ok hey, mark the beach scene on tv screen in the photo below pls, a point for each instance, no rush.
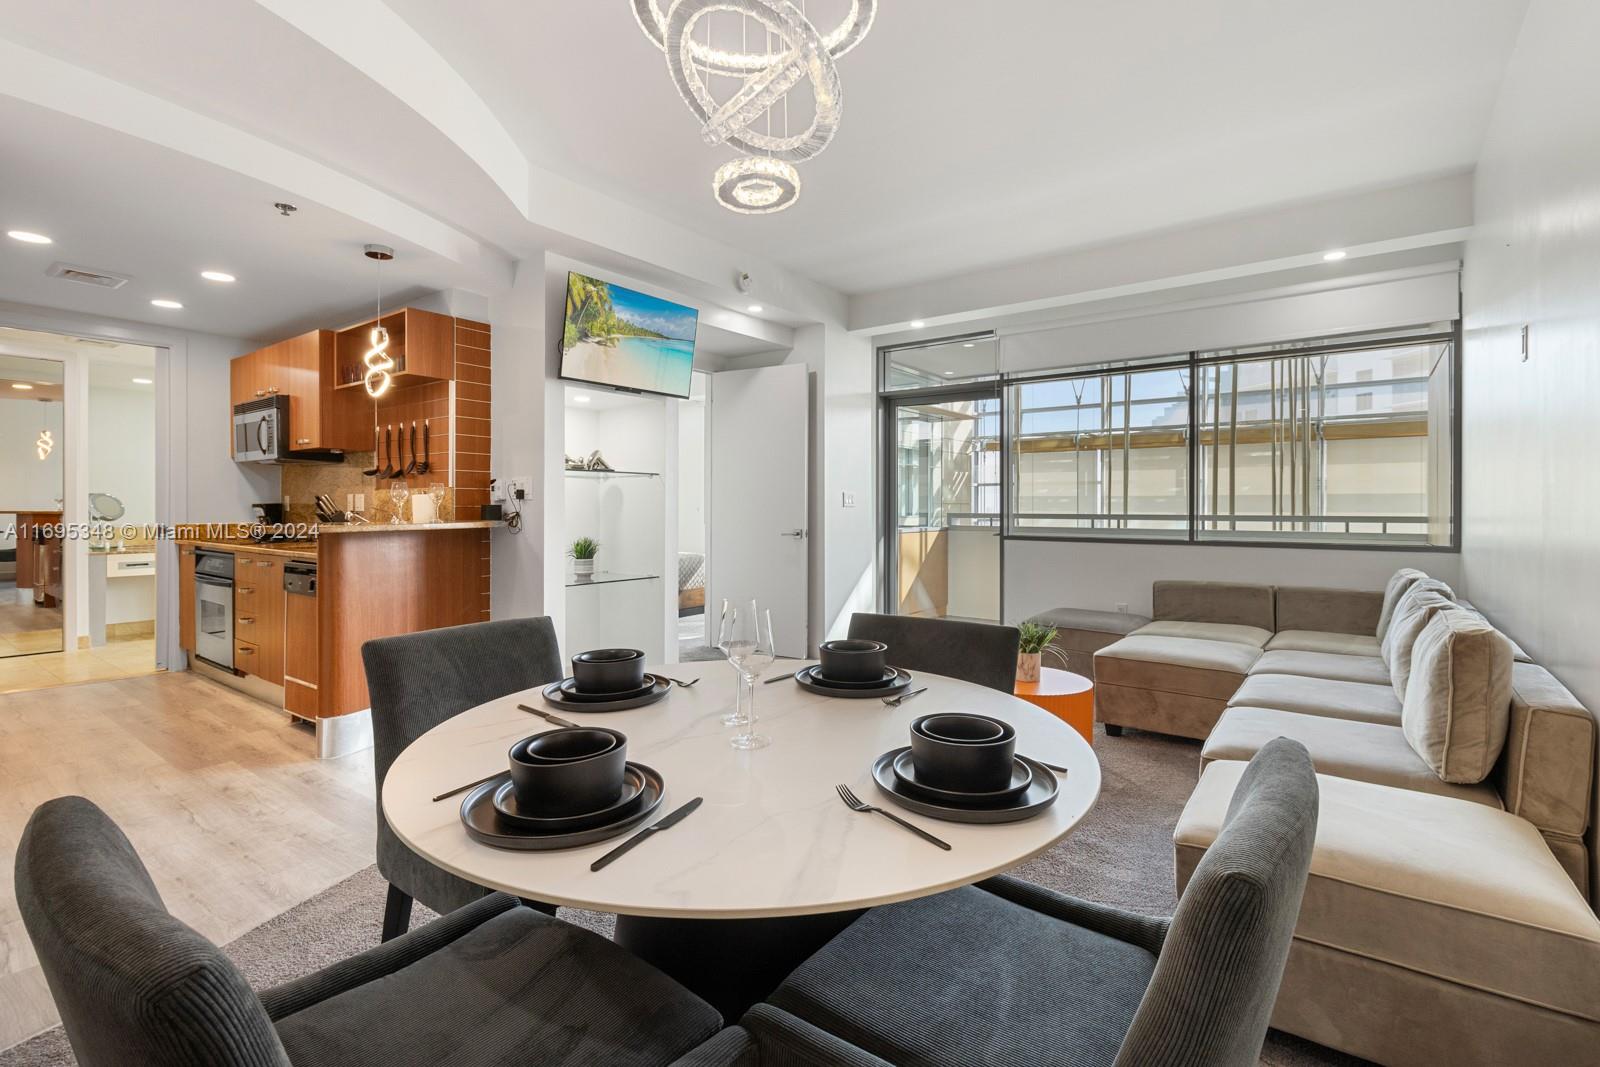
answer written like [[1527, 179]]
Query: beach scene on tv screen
[[620, 337]]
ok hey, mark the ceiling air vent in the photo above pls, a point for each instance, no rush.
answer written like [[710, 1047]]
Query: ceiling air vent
[[104, 279]]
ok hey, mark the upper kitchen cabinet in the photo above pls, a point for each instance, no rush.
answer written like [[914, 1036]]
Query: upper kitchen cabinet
[[421, 343], [303, 369]]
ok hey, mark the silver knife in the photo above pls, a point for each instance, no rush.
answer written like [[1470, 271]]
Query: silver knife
[[666, 823], [782, 677]]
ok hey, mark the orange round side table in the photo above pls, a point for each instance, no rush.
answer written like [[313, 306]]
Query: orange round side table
[[1067, 696]]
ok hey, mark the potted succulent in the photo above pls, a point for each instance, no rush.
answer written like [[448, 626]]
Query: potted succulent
[[583, 551], [1030, 651]]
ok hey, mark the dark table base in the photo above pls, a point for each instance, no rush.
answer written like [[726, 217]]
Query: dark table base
[[730, 963]]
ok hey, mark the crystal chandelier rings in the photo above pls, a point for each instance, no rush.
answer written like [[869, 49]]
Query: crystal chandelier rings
[[756, 185], [842, 38], [805, 58]]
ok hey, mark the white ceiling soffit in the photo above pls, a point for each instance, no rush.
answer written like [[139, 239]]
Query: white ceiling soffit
[[1424, 215]]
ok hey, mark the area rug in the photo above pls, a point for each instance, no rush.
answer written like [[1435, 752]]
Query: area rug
[[1121, 854]]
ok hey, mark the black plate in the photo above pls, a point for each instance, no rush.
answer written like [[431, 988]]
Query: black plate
[[816, 675], [557, 699], [809, 680], [504, 799], [1039, 795], [906, 772], [485, 825], [570, 691]]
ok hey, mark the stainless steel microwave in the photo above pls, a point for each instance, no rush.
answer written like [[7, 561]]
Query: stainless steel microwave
[[261, 435]]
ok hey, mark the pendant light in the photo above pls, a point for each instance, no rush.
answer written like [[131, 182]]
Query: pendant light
[[380, 365]]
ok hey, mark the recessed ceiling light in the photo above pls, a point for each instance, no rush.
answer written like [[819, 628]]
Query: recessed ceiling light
[[21, 385], [1334, 256], [217, 276], [166, 304], [967, 344], [949, 373], [580, 398], [143, 381], [917, 324], [755, 309], [29, 237]]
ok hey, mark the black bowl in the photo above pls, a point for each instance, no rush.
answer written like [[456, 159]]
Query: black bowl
[[569, 771], [853, 660], [608, 670], [963, 753]]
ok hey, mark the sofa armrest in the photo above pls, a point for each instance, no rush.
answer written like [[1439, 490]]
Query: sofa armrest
[[789, 1040], [391, 956], [1149, 932]]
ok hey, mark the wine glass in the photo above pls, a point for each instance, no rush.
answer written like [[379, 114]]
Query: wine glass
[[436, 494], [747, 640], [725, 631], [398, 492]]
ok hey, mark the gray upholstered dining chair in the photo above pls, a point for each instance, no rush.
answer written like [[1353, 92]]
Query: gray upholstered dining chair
[[489, 985], [1007, 972], [416, 681], [979, 652]]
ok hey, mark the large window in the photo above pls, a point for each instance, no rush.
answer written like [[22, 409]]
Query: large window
[[1348, 441], [1103, 453]]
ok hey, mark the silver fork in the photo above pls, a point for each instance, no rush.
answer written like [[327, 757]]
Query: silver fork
[[895, 702], [855, 803]]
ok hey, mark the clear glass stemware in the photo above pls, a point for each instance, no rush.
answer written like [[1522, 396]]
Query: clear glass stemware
[[398, 492], [436, 494], [746, 639]]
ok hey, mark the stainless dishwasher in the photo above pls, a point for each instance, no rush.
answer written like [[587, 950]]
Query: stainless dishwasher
[[213, 607]]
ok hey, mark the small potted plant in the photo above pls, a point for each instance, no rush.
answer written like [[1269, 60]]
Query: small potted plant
[[1030, 651], [583, 551]]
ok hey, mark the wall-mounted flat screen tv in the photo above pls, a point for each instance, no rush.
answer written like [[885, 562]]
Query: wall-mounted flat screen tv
[[627, 339]]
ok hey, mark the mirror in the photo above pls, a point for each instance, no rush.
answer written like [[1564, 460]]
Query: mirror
[[31, 491]]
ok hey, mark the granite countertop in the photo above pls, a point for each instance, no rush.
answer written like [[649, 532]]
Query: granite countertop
[[335, 529], [293, 549]]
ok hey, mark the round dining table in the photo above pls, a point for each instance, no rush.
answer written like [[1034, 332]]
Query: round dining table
[[773, 862]]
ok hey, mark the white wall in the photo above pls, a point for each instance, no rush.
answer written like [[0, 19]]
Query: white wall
[[1099, 575], [26, 482], [1531, 483], [692, 476], [122, 449]]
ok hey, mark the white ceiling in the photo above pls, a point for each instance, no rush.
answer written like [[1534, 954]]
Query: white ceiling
[[32, 355], [975, 134]]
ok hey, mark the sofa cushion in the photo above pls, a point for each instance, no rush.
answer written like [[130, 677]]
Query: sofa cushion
[[1254, 636], [1323, 641], [1417, 608], [1453, 890], [1345, 611], [1398, 583], [1458, 700], [1546, 772], [1091, 624], [1345, 748], [1368, 669], [1233, 602], [1319, 696], [1175, 665]]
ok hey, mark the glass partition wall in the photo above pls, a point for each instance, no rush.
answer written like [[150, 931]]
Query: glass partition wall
[[31, 493]]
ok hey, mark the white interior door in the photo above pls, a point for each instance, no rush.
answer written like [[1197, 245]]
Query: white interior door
[[760, 441]]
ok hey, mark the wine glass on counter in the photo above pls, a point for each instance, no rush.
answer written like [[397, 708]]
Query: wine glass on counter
[[436, 494], [746, 639], [399, 491]]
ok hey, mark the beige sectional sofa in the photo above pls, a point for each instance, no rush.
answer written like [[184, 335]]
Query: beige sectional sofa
[[1449, 915]]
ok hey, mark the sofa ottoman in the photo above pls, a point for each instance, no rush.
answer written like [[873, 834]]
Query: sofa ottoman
[[1080, 633], [1173, 685], [1432, 931]]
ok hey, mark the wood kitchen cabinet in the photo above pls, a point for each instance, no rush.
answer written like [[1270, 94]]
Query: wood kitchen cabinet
[[421, 343], [303, 370], [186, 597], [258, 615]]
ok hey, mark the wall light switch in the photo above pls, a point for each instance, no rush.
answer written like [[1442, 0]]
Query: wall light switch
[[849, 500]]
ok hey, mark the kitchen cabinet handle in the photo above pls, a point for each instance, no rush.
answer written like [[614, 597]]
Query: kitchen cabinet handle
[[247, 652], [272, 388], [261, 392], [250, 622], [303, 441], [247, 589]]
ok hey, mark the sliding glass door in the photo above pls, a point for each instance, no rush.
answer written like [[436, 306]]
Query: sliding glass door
[[944, 502]]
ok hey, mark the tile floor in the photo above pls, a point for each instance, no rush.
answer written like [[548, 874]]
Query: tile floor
[[126, 658]]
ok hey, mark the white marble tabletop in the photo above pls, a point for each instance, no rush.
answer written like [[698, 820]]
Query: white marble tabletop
[[772, 837]]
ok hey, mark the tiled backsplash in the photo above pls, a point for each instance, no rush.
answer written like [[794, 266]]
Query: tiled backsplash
[[304, 482]]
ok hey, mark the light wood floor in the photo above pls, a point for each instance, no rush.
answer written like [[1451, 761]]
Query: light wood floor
[[231, 811]]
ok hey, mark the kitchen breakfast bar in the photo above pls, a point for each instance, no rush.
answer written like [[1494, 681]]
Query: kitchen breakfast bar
[[285, 620]]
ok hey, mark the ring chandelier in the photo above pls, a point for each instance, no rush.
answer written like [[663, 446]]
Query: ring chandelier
[[764, 179]]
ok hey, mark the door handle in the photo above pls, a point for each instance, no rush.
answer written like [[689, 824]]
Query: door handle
[[798, 535]]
